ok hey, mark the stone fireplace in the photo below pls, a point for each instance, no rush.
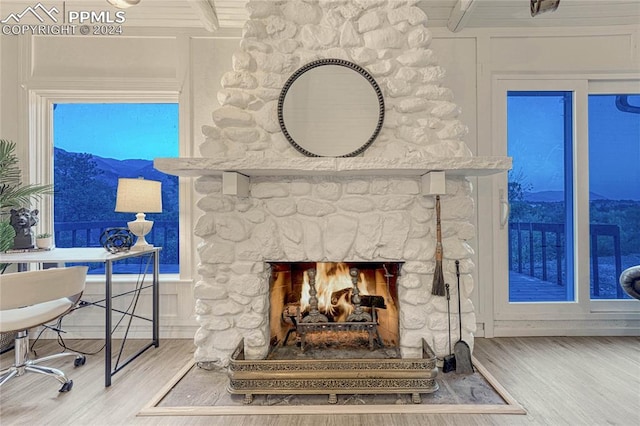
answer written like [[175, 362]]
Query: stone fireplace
[[266, 207]]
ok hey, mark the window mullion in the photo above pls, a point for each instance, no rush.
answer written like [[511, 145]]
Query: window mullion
[[582, 239]]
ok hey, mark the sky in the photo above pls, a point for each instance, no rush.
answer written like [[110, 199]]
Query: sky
[[614, 148], [535, 138], [120, 131], [536, 143]]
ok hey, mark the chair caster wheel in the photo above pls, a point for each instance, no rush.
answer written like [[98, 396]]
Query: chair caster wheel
[[80, 360], [67, 386]]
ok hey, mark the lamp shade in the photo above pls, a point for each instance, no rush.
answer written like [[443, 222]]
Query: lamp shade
[[139, 196]]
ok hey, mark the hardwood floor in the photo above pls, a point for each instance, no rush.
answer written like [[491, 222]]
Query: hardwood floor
[[558, 380]]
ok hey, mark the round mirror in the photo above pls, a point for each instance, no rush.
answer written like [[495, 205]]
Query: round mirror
[[331, 108]]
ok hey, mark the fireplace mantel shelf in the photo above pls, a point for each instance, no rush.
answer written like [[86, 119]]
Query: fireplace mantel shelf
[[325, 166]]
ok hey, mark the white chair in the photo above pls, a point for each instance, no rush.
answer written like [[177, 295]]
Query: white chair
[[33, 298], [630, 281]]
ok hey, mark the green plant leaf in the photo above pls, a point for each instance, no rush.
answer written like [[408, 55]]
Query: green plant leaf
[[7, 233], [9, 170], [12, 193], [15, 197]]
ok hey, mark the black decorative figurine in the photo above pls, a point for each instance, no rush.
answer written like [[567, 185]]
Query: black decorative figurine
[[115, 240], [22, 220]]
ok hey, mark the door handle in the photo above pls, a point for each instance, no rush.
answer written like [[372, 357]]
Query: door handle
[[505, 210]]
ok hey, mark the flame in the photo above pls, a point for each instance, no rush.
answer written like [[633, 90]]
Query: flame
[[331, 278]]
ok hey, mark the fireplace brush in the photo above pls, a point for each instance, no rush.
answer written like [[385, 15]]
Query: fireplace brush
[[437, 289]]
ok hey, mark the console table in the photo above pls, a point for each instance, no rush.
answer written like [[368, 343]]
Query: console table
[[100, 255]]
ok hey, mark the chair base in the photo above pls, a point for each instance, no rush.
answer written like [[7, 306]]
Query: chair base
[[23, 364]]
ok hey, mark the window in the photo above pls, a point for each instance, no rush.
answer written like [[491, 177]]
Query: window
[[545, 243], [539, 138], [614, 190], [94, 145]]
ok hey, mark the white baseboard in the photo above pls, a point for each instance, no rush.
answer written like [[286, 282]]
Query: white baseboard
[[566, 328]]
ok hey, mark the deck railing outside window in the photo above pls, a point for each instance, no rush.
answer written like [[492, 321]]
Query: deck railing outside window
[[537, 250], [87, 234]]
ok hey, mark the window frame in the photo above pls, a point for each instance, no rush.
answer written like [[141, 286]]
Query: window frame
[[583, 308], [41, 166], [569, 181]]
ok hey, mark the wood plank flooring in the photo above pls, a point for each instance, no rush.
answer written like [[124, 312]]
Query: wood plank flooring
[[558, 380]]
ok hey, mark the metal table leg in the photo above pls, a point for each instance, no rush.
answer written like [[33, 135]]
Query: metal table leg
[[107, 326], [156, 298]]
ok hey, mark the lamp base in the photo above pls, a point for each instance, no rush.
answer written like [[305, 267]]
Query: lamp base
[[140, 227]]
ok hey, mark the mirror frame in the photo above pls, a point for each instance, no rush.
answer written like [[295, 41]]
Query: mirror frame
[[319, 63]]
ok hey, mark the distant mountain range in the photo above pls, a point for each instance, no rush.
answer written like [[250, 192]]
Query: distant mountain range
[[113, 169], [554, 196]]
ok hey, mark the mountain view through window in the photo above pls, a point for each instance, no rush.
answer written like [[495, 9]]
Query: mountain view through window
[[94, 145], [541, 194]]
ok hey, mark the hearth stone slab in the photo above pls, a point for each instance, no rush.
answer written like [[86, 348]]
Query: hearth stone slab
[[333, 376]]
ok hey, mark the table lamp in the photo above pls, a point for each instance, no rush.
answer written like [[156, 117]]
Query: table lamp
[[139, 196]]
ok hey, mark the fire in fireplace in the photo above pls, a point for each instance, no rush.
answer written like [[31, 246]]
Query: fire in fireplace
[[338, 305]]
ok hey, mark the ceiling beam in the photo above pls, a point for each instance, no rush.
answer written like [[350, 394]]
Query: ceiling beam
[[206, 11], [460, 14]]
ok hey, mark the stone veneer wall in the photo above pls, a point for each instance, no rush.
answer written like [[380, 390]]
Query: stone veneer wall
[[382, 218], [325, 219], [386, 37]]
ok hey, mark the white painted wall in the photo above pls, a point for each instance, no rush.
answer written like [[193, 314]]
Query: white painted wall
[[553, 54], [190, 64]]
